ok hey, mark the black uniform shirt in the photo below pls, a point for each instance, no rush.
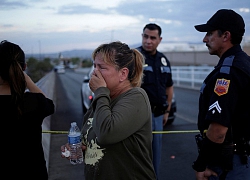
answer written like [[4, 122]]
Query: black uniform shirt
[[225, 99], [157, 76]]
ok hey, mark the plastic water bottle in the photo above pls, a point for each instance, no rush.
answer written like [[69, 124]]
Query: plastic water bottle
[[74, 140]]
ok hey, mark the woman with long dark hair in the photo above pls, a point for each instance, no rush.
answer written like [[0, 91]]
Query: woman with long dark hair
[[23, 107]]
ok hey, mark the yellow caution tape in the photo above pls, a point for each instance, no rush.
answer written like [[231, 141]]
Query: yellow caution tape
[[154, 132], [175, 132], [56, 132]]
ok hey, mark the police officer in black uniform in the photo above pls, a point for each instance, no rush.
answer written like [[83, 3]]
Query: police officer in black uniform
[[158, 84], [224, 104]]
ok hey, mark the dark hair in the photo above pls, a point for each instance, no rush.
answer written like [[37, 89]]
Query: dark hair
[[153, 26], [120, 55], [12, 62], [235, 37]]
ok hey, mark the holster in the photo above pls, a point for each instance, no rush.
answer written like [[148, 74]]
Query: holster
[[224, 158], [198, 140]]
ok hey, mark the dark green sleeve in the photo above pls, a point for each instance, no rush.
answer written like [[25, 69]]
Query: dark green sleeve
[[118, 119]]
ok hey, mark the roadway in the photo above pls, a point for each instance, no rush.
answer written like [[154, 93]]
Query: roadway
[[179, 148]]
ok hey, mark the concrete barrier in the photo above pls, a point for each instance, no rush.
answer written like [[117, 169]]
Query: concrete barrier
[[47, 85]]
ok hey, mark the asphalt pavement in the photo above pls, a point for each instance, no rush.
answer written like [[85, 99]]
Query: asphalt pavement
[[60, 168]]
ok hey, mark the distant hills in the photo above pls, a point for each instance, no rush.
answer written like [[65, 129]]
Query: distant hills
[[86, 53], [81, 53]]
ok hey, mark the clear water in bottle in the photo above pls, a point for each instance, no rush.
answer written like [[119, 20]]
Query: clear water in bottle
[[74, 140]]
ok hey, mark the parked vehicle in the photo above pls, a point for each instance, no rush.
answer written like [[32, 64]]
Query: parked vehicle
[[86, 94], [59, 69], [87, 97]]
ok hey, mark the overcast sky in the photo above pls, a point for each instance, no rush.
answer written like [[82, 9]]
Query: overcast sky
[[51, 26]]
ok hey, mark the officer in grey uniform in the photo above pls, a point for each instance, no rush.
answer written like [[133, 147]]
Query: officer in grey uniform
[[224, 103]]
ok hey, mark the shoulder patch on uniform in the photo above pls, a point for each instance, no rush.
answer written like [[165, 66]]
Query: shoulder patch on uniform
[[221, 86], [163, 61]]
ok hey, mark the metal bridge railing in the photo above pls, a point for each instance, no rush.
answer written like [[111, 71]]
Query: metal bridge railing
[[190, 76]]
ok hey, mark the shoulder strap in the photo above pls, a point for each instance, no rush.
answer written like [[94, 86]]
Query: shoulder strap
[[232, 61], [226, 65]]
